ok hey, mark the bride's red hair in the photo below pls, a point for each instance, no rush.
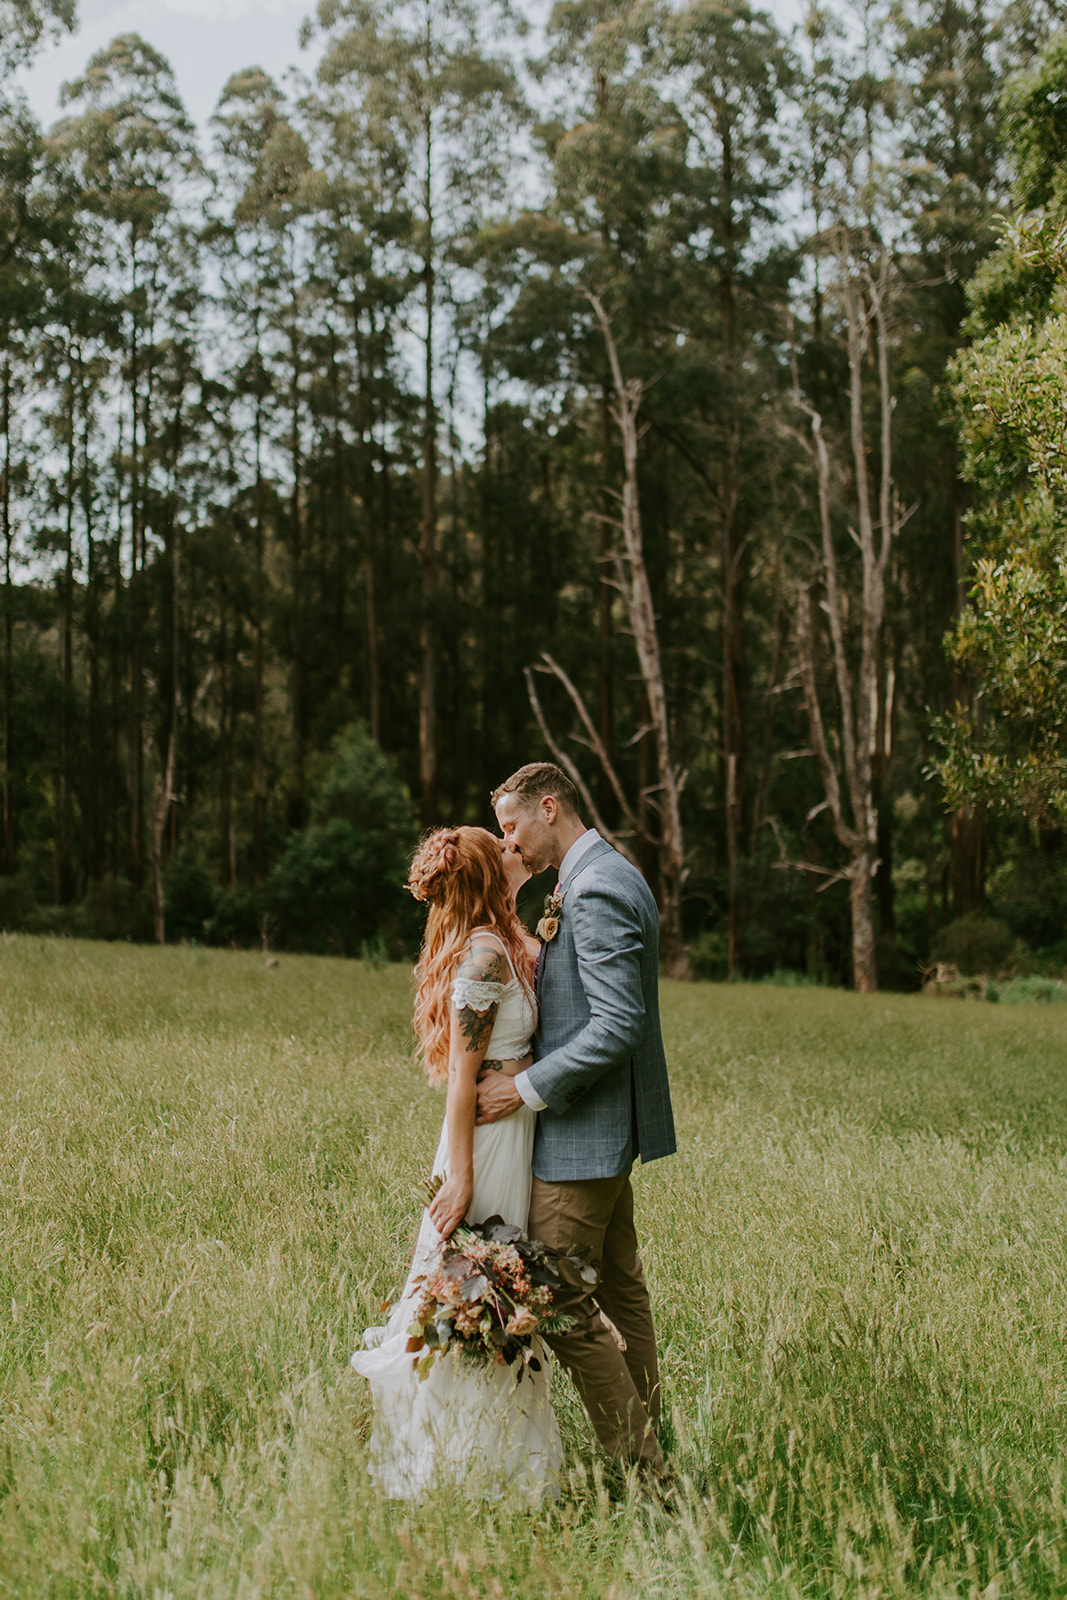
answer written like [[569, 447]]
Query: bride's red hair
[[459, 874]]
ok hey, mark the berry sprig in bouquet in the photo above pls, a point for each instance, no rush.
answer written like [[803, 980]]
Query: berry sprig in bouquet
[[489, 1291]]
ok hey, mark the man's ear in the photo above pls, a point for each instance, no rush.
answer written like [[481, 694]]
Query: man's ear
[[550, 807]]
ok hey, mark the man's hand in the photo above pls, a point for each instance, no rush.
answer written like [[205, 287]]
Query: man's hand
[[497, 1098]]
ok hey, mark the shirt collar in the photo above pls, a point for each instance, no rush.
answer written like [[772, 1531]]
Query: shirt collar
[[576, 852]]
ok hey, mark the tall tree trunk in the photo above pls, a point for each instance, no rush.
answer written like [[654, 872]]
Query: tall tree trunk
[[491, 599], [258, 786], [881, 787], [95, 752], [609, 807], [9, 613], [227, 832], [633, 580], [165, 795], [968, 837], [295, 808], [428, 539], [861, 905], [763, 782], [856, 828], [733, 663], [384, 573], [118, 816], [968, 861], [63, 886], [135, 754], [364, 359]]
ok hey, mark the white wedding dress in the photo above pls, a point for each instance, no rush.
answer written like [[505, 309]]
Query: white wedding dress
[[462, 1424]]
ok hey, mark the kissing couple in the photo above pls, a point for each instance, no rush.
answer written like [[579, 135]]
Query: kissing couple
[[556, 1083]]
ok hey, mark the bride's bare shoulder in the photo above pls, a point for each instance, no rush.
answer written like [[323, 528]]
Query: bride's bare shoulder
[[484, 958]]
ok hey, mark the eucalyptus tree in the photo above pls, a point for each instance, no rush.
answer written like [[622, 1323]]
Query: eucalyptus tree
[[666, 173], [133, 148], [1006, 749], [21, 227], [608, 240], [359, 282], [439, 109], [950, 63], [947, 61], [852, 454], [613, 150], [26, 24], [261, 164], [733, 76]]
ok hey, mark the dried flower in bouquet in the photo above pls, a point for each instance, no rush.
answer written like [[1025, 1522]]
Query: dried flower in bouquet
[[489, 1291]]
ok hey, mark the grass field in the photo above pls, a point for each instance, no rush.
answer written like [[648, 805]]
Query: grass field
[[858, 1262]]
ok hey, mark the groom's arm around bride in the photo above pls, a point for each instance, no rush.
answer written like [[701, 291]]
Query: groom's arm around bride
[[599, 1081]]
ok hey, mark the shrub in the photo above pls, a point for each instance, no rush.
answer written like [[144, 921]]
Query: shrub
[[789, 978], [114, 909], [707, 955], [189, 897], [898, 966], [237, 919], [1030, 896], [340, 882], [16, 903], [1022, 991], [974, 944]]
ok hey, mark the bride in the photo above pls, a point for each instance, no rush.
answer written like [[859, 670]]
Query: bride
[[474, 1010]]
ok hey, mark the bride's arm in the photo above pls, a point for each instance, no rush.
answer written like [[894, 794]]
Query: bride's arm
[[473, 1013]]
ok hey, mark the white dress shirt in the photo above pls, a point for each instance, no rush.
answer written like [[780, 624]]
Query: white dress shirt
[[566, 866]]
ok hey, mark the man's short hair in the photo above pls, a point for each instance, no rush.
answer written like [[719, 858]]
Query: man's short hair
[[536, 779]]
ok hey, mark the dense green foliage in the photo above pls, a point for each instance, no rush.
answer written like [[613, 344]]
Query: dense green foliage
[[209, 1173], [310, 423], [338, 885], [1011, 390]]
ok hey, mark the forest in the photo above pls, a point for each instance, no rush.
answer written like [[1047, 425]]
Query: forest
[[663, 391]]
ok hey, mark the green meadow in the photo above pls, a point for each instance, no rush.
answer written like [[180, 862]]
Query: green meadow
[[858, 1262]]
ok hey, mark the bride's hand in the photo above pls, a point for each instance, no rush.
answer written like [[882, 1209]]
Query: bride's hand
[[449, 1205]]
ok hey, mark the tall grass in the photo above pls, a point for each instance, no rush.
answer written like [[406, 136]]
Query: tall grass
[[857, 1259]]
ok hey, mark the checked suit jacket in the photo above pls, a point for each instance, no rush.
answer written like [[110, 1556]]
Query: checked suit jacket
[[599, 1063]]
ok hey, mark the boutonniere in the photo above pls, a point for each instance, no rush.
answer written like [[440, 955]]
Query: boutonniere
[[548, 926]]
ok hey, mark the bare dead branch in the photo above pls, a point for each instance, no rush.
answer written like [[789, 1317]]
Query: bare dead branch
[[786, 861], [563, 759], [594, 739]]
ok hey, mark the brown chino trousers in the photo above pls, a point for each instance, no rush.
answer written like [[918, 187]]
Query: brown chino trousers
[[594, 1219]]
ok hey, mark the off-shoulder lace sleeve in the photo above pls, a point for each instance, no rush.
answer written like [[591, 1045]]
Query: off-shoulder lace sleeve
[[472, 994]]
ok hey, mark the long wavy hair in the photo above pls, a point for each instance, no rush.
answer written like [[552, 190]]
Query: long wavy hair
[[458, 873]]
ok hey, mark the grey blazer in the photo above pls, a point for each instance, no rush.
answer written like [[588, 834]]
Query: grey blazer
[[600, 1066]]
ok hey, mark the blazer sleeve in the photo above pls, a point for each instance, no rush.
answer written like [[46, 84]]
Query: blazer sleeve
[[609, 943]]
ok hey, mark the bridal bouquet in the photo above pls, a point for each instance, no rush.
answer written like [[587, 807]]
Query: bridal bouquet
[[486, 1295]]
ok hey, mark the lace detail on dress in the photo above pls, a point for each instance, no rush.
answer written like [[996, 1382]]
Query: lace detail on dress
[[473, 994]]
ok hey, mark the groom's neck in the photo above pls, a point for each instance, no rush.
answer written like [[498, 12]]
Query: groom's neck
[[567, 832]]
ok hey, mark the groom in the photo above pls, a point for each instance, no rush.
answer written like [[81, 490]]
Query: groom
[[599, 1082]]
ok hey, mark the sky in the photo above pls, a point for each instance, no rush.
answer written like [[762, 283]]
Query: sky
[[205, 41]]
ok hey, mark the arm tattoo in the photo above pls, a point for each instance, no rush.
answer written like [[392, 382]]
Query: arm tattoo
[[477, 1026], [486, 966], [482, 966]]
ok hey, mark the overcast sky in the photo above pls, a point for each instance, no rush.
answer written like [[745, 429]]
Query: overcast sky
[[206, 41]]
